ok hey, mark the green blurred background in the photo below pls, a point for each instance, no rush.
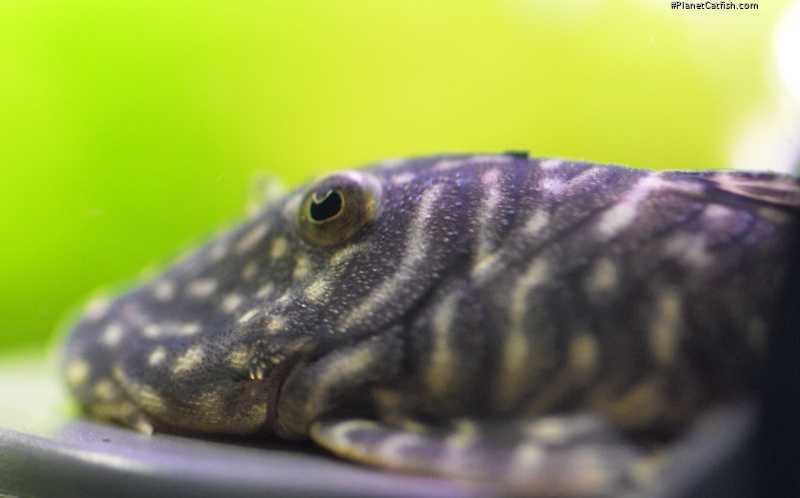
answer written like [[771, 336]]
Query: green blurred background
[[128, 129]]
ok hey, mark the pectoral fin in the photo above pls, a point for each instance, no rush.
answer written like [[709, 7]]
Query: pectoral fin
[[558, 455]]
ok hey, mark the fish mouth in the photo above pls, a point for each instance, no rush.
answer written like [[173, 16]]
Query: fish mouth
[[274, 380]]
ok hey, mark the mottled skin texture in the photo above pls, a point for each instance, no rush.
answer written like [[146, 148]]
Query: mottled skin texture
[[433, 315]]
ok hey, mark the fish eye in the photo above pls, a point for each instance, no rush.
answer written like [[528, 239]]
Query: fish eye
[[337, 207]]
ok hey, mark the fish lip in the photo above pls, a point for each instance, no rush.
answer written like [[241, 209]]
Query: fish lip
[[275, 381]]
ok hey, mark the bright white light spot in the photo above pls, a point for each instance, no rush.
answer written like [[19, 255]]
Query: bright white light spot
[[763, 144], [787, 49]]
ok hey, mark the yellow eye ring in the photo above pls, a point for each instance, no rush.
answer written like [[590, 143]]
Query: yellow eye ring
[[337, 207]]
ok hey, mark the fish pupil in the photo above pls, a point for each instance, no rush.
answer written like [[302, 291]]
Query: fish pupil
[[326, 208]]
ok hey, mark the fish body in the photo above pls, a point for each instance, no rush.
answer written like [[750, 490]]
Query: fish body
[[545, 324]]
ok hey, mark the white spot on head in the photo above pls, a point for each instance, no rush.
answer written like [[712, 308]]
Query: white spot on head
[[163, 290], [104, 390], [582, 180], [249, 271], [490, 177], [301, 268], [188, 329], [348, 252], [251, 238], [316, 289], [276, 324], [550, 164], [151, 331], [604, 277], [486, 219], [133, 314], [77, 372], [188, 361], [97, 308], [265, 290], [537, 221], [238, 358], [552, 430], [231, 302], [536, 274], [442, 368], [248, 315], [279, 247], [516, 348], [150, 400], [112, 334], [218, 251], [201, 287], [622, 214], [665, 328], [617, 218], [555, 185], [402, 178], [551, 185], [170, 329], [485, 267], [448, 164], [690, 248], [528, 456], [157, 356], [583, 352], [718, 212]]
